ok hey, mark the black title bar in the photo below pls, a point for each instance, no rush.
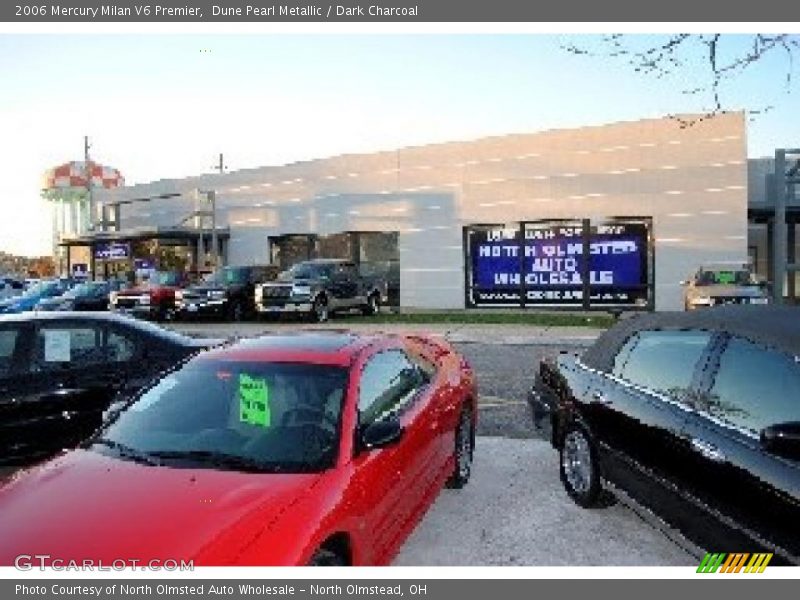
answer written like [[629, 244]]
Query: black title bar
[[204, 11]]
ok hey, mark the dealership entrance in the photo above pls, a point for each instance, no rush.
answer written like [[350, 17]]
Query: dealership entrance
[[375, 253], [118, 254], [577, 264]]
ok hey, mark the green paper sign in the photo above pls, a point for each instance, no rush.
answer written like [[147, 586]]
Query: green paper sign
[[254, 401], [725, 277]]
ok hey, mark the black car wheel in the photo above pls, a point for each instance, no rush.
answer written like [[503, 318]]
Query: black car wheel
[[326, 558], [464, 450], [373, 305], [578, 467], [319, 310], [161, 313], [237, 312]]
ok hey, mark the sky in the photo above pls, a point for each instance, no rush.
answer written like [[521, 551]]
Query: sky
[[165, 106]]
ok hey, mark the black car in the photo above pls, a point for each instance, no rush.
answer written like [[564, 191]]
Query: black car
[[88, 296], [227, 293], [695, 416], [60, 371]]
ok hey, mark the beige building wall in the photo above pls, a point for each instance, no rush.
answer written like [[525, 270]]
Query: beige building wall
[[691, 179]]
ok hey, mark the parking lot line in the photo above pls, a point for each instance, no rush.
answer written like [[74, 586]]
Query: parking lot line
[[494, 401]]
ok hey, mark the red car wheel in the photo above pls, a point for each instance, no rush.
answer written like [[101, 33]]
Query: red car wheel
[[464, 449]]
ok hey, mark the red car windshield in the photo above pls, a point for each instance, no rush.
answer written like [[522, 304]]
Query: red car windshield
[[247, 416]]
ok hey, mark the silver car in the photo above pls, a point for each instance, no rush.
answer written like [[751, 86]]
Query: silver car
[[10, 287], [715, 285]]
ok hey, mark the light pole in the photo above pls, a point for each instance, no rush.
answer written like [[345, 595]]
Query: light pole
[[88, 171], [207, 208]]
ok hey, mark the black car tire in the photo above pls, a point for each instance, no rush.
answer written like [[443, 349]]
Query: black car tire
[[326, 558], [464, 450], [236, 311], [319, 310], [161, 314], [373, 305], [578, 466]]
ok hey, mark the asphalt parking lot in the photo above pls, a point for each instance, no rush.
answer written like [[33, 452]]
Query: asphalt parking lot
[[514, 510]]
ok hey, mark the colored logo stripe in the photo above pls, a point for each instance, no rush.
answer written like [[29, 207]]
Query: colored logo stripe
[[711, 563], [758, 563], [734, 563]]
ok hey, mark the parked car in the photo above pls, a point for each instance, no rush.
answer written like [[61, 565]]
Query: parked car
[[59, 371], [715, 285], [694, 415], [226, 293], [317, 288], [30, 298], [10, 288], [154, 299], [88, 296], [30, 282], [313, 448]]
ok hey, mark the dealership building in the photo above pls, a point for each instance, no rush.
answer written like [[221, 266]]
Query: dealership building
[[595, 217]]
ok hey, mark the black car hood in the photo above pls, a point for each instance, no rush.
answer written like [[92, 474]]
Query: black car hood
[[205, 289], [54, 301], [298, 281], [195, 341]]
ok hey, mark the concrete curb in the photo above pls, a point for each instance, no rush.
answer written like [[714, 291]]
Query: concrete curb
[[509, 335]]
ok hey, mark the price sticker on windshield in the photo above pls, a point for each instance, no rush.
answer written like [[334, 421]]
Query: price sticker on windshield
[[57, 345], [254, 401], [726, 277]]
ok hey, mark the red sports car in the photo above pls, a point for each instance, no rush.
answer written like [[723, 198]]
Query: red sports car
[[309, 448]]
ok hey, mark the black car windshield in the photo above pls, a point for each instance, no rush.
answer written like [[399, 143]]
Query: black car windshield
[[253, 416], [307, 271], [42, 289], [165, 278], [733, 277], [84, 290], [227, 275]]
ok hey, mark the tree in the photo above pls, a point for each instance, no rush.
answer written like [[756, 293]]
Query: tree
[[723, 59]]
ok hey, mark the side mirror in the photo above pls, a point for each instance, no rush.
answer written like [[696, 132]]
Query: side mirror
[[782, 439], [116, 407], [381, 434]]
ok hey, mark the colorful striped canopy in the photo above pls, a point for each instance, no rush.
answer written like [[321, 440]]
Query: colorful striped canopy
[[74, 175]]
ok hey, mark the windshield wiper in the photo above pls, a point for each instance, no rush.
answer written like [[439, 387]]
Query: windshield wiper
[[126, 451], [219, 459]]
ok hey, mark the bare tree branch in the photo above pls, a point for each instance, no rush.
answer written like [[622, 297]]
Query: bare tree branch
[[675, 53]]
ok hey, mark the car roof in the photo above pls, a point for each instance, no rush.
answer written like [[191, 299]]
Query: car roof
[[323, 347], [248, 266], [326, 261], [103, 317], [32, 315], [772, 326], [724, 266]]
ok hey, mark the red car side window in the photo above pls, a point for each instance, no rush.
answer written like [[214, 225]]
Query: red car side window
[[389, 381]]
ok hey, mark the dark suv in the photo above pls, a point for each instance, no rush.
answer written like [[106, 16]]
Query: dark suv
[[317, 288], [226, 293]]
